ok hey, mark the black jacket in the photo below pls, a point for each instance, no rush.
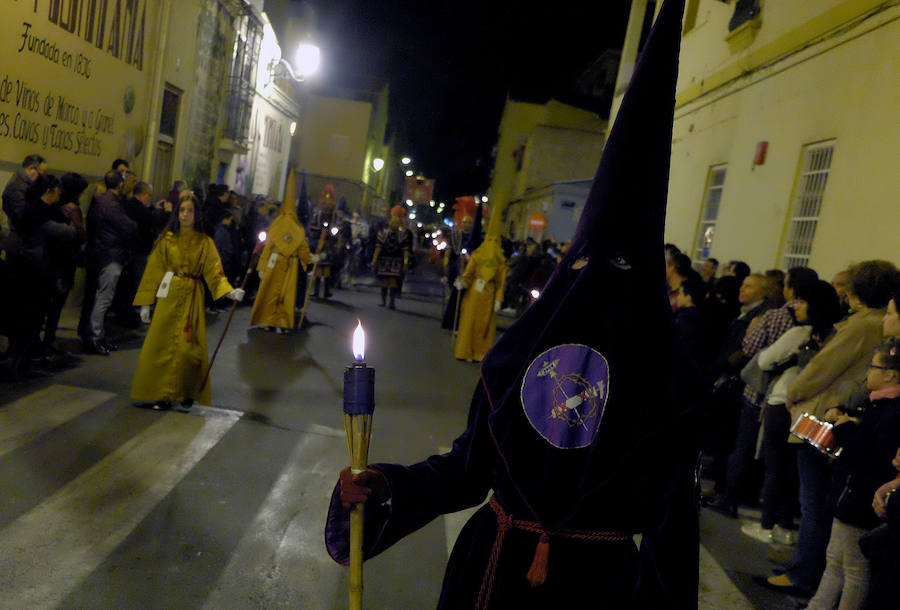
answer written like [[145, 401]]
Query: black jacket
[[14, 197], [865, 463], [110, 231], [149, 221], [39, 236]]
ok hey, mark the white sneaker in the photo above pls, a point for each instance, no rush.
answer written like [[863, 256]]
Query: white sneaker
[[756, 531], [784, 536]]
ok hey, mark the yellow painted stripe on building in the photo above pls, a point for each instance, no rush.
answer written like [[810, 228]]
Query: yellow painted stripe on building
[[50, 550], [790, 41], [39, 412]]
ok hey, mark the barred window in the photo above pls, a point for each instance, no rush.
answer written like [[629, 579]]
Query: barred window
[[807, 204], [242, 79], [709, 213]]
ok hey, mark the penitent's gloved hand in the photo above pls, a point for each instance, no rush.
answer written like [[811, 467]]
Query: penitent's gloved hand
[[369, 485], [145, 314], [460, 284], [236, 295]]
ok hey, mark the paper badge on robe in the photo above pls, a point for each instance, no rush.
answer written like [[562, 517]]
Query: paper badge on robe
[[564, 394]]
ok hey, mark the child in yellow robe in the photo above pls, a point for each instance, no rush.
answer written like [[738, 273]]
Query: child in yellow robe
[[173, 359]]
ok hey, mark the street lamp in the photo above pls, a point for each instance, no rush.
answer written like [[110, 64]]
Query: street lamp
[[306, 63], [409, 173], [405, 160], [308, 58]]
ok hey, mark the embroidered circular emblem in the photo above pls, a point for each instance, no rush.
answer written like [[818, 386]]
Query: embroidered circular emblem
[[288, 238], [564, 394]]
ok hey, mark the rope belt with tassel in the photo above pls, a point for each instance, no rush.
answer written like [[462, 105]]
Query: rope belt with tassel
[[537, 574], [189, 333]]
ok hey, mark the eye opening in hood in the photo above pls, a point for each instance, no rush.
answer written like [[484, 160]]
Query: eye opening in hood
[[620, 262]]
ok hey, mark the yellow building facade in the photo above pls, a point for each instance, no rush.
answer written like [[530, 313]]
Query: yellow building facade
[[166, 85], [539, 145], [75, 82], [341, 133], [785, 137]]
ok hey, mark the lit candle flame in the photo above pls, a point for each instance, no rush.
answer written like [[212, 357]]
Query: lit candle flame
[[359, 342], [334, 231], [262, 236]]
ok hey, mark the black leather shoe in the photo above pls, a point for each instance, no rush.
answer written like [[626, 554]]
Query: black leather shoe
[[109, 345], [96, 347], [162, 405], [725, 507]]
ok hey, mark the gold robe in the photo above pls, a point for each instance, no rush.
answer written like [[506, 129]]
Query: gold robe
[[174, 359], [477, 318], [285, 246]]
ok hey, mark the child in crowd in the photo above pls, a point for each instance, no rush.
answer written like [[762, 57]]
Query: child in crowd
[[869, 439]]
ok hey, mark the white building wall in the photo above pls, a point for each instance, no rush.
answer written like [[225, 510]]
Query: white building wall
[[846, 89]]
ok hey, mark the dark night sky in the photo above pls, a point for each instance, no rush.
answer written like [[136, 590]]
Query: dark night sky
[[451, 65]]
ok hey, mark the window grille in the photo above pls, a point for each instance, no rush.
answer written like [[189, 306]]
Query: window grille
[[709, 214], [242, 81], [168, 117], [807, 204]]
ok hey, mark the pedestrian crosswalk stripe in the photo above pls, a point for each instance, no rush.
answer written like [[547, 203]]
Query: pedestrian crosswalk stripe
[[48, 551], [280, 556], [37, 413]]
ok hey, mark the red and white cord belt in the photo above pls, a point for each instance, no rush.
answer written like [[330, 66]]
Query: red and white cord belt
[[537, 574]]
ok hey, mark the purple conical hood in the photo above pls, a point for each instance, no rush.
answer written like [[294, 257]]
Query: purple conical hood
[[577, 361]]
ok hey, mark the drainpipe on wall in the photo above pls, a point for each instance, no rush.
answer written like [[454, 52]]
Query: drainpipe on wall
[[156, 94]]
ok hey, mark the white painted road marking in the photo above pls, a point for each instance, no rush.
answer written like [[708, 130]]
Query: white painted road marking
[[40, 412], [48, 551]]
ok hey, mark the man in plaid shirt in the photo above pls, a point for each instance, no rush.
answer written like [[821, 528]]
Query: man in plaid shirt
[[762, 333]]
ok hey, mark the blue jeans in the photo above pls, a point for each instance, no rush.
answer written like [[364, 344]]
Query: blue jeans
[[740, 460], [106, 291], [815, 518], [779, 490]]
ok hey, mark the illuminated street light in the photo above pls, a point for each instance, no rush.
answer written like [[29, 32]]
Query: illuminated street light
[[405, 160], [306, 63], [409, 173], [307, 59], [377, 163]]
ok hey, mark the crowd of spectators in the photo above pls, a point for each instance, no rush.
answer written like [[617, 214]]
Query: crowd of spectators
[[776, 348], [530, 265], [52, 225]]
